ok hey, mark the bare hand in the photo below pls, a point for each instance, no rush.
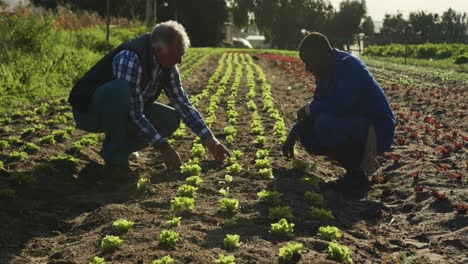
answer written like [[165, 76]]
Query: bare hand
[[218, 150], [170, 156]]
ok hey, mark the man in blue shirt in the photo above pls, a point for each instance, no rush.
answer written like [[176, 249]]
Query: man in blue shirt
[[349, 119]]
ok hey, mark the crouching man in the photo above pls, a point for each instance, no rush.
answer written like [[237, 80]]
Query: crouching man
[[349, 119], [117, 97]]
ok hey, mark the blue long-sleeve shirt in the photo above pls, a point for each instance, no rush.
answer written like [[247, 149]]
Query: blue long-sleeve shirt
[[350, 90]]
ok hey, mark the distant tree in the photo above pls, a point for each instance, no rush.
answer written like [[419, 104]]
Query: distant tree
[[367, 26], [394, 28], [347, 21], [425, 26], [453, 26]]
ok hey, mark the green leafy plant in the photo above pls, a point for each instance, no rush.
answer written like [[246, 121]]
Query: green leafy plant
[[164, 260], [168, 238], [314, 198], [17, 156], [97, 260], [49, 139], [230, 139], [231, 241], [282, 228], [262, 163], [5, 129], [312, 182], [230, 222], [222, 259], [329, 232], [269, 197], [234, 169], [280, 212], [224, 191], [122, 224], [30, 148], [321, 214], [194, 180], [197, 151], [289, 251], [237, 154], [266, 173], [299, 165], [260, 140], [60, 135], [4, 144], [262, 153], [228, 179], [230, 131], [187, 191], [110, 243], [229, 205], [189, 169], [180, 204], [174, 222], [15, 140], [65, 161], [27, 131], [339, 252]]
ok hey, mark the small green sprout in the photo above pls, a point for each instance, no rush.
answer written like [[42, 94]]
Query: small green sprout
[[231, 242], [266, 173], [314, 198], [230, 131], [282, 228], [17, 156], [27, 131], [339, 252], [224, 192], [230, 222], [5, 129], [122, 224], [168, 238], [280, 212], [237, 154], [174, 222], [4, 144], [164, 260], [289, 251], [228, 179], [229, 259], [30, 148], [60, 135], [49, 140], [229, 139], [321, 214], [260, 140], [65, 161], [194, 180], [262, 153], [180, 204], [329, 232], [229, 205], [269, 197], [197, 151], [312, 182], [187, 191], [97, 260], [110, 243], [299, 165], [15, 140], [262, 163], [190, 169], [234, 169]]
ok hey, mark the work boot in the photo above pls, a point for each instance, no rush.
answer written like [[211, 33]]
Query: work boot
[[351, 181]]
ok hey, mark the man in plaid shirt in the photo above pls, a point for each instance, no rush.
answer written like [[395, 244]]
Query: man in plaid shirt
[[117, 97]]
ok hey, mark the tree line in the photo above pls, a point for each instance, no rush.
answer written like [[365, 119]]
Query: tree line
[[284, 22]]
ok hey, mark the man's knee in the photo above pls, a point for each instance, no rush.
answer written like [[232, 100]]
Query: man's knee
[[119, 94], [173, 122]]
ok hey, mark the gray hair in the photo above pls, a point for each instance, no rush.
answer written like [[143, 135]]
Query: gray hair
[[165, 33]]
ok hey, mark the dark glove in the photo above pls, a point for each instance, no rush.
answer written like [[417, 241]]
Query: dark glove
[[288, 145]]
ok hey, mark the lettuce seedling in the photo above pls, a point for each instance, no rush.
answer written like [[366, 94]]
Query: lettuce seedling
[[168, 238], [269, 197], [164, 260], [229, 259], [15, 140], [187, 191], [174, 222], [299, 165], [312, 182], [110, 243], [230, 222], [266, 173], [97, 260], [180, 204], [282, 228], [234, 169], [4, 144], [60, 135], [289, 251], [260, 140], [230, 131], [321, 214], [329, 232], [231, 242], [5, 129], [17, 156], [262, 153], [230, 139], [197, 151], [188, 169], [314, 198], [49, 140], [262, 163], [194, 180], [30, 148], [228, 179], [27, 131], [122, 224], [280, 212], [65, 161], [229, 205], [224, 192], [340, 253], [237, 154]]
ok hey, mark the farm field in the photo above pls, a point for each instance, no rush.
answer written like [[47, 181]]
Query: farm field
[[57, 207]]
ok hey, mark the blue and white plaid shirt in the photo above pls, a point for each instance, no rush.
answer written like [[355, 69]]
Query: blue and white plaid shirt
[[126, 66]]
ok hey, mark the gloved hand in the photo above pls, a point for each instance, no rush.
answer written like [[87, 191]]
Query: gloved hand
[[288, 145]]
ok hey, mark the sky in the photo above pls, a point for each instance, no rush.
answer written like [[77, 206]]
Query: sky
[[378, 8]]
